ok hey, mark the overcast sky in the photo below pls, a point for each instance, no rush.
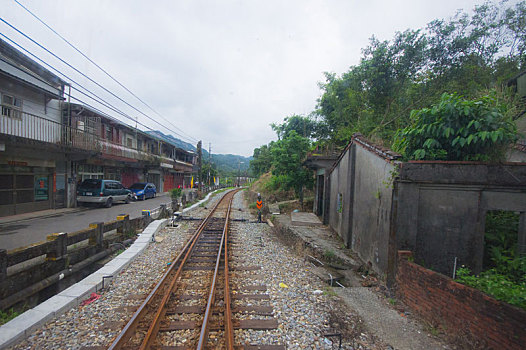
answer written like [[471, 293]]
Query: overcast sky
[[221, 71]]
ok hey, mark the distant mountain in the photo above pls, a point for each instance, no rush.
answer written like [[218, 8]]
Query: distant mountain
[[226, 163], [229, 163], [173, 140]]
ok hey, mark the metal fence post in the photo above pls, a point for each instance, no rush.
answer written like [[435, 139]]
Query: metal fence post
[[60, 246], [97, 236]]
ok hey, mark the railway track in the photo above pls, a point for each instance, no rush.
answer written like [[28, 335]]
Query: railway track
[[196, 305]]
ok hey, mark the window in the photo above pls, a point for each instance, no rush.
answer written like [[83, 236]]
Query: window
[[129, 142], [11, 106], [109, 133]]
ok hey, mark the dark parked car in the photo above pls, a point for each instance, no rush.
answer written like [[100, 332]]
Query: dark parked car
[[103, 192], [144, 190]]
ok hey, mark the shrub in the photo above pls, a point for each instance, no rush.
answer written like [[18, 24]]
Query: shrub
[[175, 193], [457, 129], [496, 284], [8, 315]]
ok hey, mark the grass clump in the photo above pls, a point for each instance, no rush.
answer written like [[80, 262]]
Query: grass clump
[[8, 315]]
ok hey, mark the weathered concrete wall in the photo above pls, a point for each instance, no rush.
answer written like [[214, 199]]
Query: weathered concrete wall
[[340, 197], [362, 177], [435, 209], [442, 208], [372, 202]]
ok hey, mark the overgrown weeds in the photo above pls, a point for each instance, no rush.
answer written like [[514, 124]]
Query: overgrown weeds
[[8, 315]]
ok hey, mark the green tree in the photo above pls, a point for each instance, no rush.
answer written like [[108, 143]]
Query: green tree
[[468, 53], [209, 171], [304, 126], [261, 161], [287, 157], [457, 129]]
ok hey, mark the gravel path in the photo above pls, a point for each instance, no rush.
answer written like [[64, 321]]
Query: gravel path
[[305, 308], [399, 331]]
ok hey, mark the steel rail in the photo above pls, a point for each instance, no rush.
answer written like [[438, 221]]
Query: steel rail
[[131, 326], [203, 337], [229, 327]]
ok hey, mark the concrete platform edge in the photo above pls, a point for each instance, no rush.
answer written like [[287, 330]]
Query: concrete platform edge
[[20, 327], [199, 203]]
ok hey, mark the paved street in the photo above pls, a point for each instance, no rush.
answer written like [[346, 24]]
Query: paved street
[[22, 233]]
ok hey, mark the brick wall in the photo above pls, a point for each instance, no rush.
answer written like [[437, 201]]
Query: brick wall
[[458, 309]]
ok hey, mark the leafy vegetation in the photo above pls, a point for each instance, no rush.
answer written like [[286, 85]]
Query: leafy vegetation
[[287, 157], [303, 126], [465, 54], [500, 241], [175, 193], [459, 66], [284, 158], [8, 315], [261, 160], [505, 271], [457, 129], [498, 285]]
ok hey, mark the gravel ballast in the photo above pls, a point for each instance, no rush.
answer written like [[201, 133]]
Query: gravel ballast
[[306, 308]]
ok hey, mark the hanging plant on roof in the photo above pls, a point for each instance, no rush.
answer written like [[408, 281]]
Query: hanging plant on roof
[[457, 129]]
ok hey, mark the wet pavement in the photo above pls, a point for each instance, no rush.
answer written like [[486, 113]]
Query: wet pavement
[[21, 230]]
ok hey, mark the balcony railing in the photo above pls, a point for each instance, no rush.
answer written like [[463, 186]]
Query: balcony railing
[[33, 127]]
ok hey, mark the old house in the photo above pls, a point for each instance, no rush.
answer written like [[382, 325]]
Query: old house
[[30, 119], [48, 146], [436, 209], [127, 154]]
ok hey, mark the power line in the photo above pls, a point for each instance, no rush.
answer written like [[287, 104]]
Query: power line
[[102, 69], [97, 98], [101, 112], [85, 76]]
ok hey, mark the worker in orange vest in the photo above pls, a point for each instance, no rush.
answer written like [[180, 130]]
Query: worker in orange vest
[[259, 205]]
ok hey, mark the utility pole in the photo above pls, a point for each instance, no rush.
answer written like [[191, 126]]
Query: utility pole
[[199, 164], [238, 171]]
